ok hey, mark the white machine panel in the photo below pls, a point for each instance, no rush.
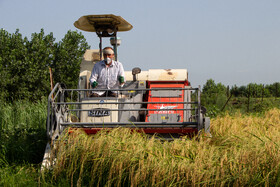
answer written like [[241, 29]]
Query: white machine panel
[[99, 112]]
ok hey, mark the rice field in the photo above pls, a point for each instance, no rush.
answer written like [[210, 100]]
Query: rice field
[[243, 151]]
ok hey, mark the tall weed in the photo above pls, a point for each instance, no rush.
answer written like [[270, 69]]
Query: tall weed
[[22, 132]]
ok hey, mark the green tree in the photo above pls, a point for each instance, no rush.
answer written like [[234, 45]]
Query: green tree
[[24, 64], [39, 57], [213, 94], [68, 57], [274, 89], [13, 55], [4, 53], [256, 90]]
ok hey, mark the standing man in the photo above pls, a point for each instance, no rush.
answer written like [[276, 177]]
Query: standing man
[[107, 74]]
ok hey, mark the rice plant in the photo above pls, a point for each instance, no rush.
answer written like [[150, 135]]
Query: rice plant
[[244, 151]]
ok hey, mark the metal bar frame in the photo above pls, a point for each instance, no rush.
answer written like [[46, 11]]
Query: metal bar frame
[[55, 104]]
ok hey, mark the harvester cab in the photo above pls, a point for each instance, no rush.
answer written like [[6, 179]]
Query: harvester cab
[[155, 101]]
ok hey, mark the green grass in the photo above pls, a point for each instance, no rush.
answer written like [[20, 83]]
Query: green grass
[[22, 131], [22, 142], [19, 176]]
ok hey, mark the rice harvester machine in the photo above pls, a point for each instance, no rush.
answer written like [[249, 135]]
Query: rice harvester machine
[[155, 101]]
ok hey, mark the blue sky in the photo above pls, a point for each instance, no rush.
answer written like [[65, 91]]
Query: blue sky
[[230, 41]]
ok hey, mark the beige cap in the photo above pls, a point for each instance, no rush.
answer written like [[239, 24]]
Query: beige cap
[[108, 51]]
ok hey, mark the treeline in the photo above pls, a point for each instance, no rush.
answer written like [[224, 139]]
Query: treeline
[[250, 98], [257, 90], [25, 64], [252, 89]]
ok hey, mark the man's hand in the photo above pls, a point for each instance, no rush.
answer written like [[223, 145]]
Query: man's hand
[[121, 79], [94, 84]]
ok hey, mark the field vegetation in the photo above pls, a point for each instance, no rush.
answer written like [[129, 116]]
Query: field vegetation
[[243, 150], [22, 141], [253, 98]]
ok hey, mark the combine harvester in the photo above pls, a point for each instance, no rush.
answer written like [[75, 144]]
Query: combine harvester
[[157, 101]]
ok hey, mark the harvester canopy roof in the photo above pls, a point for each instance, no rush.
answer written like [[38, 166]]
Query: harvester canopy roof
[[93, 23]]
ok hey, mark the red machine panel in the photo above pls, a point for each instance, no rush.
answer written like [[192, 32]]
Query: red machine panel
[[165, 112]]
